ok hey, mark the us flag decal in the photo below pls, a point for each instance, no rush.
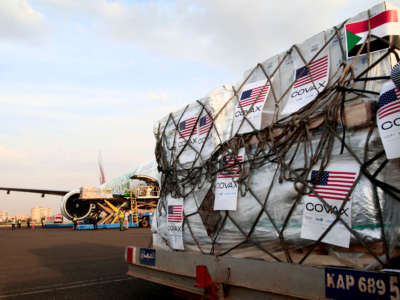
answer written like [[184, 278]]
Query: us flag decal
[[175, 213], [250, 106], [205, 124], [226, 183], [329, 198], [308, 81], [388, 119], [187, 127], [231, 167], [314, 71], [175, 223], [332, 185], [254, 95], [389, 103]]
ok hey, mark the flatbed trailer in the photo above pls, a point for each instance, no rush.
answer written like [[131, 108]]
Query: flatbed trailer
[[240, 278]]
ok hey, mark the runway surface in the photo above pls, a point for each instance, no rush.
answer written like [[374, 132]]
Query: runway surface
[[67, 264]]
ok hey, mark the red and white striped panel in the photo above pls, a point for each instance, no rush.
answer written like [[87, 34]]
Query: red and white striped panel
[[130, 256]]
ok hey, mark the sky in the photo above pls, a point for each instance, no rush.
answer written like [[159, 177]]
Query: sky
[[79, 77]]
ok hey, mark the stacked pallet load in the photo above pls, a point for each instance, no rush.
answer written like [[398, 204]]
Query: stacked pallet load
[[289, 164]]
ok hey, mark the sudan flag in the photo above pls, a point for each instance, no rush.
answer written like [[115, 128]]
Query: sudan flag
[[385, 25]]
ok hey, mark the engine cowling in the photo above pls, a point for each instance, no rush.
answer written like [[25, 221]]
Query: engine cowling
[[71, 205]]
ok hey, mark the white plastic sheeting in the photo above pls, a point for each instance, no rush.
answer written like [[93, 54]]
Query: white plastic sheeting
[[122, 183], [183, 157]]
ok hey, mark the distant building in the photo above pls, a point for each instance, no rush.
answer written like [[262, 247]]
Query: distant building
[[22, 217], [19, 217], [39, 212], [3, 216]]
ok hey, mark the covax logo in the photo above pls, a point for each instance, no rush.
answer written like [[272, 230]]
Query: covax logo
[[389, 124]]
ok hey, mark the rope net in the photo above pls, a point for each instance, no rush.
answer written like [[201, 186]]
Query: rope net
[[277, 163]]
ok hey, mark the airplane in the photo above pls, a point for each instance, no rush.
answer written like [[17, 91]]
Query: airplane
[[72, 205]]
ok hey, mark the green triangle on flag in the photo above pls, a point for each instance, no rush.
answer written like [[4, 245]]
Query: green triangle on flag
[[352, 40]]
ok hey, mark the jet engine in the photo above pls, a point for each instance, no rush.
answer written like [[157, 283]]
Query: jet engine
[[71, 205]]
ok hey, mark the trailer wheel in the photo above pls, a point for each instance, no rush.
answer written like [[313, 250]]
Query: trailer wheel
[[145, 223]]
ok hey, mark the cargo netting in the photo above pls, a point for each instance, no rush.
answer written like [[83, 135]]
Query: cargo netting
[[277, 163]]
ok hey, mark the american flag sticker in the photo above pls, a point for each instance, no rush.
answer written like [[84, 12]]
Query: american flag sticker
[[332, 185], [389, 103], [226, 183], [175, 213], [309, 81], [205, 124], [315, 70], [187, 127], [253, 95], [250, 106], [230, 166], [388, 119]]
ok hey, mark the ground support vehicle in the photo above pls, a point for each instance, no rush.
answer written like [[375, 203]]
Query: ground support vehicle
[[138, 204], [144, 217], [56, 221]]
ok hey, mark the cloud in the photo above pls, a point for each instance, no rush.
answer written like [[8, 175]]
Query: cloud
[[19, 21], [162, 96], [63, 97], [235, 34], [74, 104]]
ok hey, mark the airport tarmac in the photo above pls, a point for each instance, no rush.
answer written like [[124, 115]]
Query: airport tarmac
[[67, 264]]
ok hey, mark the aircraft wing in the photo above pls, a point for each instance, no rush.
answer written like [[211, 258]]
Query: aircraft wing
[[38, 191]]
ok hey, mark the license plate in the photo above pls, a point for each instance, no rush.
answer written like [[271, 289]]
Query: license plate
[[351, 284]]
